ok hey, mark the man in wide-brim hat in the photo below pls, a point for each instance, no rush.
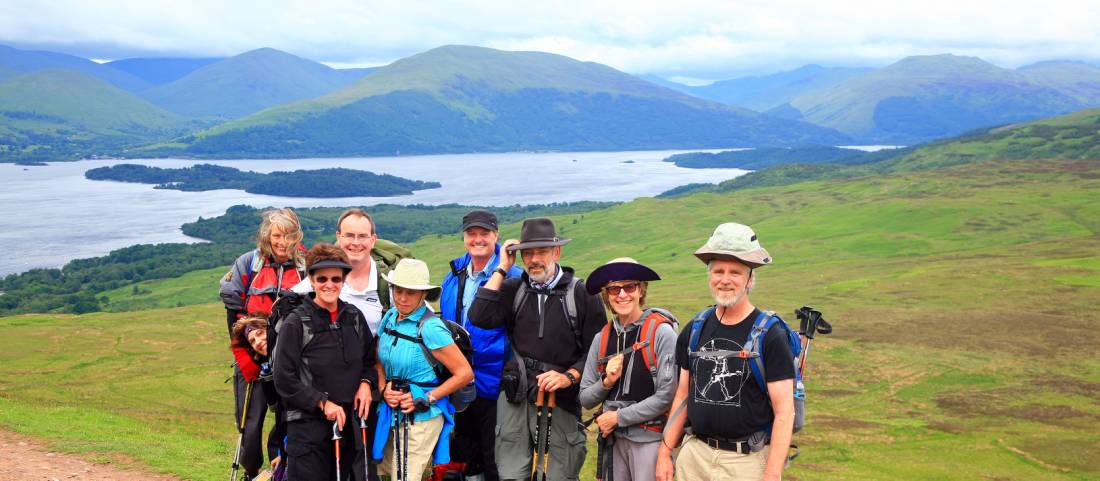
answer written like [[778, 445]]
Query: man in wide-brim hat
[[550, 319], [740, 431], [630, 369]]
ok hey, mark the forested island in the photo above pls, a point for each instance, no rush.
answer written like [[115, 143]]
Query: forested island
[[335, 182], [756, 159]]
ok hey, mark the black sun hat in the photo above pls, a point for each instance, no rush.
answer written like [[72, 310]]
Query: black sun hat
[[621, 269], [538, 232]]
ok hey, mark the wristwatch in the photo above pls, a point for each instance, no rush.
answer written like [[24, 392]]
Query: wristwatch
[[500, 270], [572, 378]]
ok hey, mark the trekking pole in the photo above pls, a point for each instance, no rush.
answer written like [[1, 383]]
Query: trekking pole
[[240, 435], [405, 448], [336, 444], [535, 455], [810, 324], [397, 443], [366, 454], [549, 424]]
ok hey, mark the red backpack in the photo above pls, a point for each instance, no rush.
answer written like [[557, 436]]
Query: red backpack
[[652, 318]]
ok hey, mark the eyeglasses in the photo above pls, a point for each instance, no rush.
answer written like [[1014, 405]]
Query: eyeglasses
[[356, 237], [615, 290], [324, 279]]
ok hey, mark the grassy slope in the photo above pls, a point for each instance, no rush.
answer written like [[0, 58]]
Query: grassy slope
[[83, 101], [961, 300]]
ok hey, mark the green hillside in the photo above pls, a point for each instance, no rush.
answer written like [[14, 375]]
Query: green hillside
[[462, 99], [960, 297], [247, 83], [929, 97], [57, 114]]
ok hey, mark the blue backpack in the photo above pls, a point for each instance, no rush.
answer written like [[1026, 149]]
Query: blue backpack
[[754, 350]]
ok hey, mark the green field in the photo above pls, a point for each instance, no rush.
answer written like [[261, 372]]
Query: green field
[[961, 299]]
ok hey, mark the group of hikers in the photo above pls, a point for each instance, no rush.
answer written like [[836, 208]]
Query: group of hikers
[[366, 378]]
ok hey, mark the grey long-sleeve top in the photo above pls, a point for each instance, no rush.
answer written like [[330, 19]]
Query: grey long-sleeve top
[[631, 414]]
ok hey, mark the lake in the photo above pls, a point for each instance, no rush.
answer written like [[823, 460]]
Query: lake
[[53, 214]]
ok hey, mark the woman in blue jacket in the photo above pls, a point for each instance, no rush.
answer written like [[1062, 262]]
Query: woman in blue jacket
[[416, 413]]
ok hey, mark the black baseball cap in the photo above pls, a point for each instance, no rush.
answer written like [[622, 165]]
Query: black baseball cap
[[480, 218]]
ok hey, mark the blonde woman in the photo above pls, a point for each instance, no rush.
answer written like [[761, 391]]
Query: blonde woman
[[254, 282]]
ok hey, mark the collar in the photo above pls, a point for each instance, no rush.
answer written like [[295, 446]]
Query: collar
[[489, 266], [414, 316]]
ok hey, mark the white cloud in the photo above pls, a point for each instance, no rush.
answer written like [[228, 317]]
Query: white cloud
[[691, 38]]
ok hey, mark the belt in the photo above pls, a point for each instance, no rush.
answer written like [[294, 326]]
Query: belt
[[741, 447]]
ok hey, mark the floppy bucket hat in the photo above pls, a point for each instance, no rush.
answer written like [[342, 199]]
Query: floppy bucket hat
[[621, 269], [413, 274], [737, 242], [538, 232]]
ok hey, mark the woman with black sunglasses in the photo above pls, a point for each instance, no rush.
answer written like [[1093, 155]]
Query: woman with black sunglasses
[[324, 368], [631, 370]]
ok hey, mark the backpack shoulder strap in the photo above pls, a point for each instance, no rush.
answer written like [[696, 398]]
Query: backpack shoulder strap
[[652, 319], [519, 298], [755, 345], [697, 327], [420, 338], [307, 330], [571, 304], [601, 367]]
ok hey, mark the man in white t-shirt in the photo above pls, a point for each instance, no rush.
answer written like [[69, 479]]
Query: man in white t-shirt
[[355, 235]]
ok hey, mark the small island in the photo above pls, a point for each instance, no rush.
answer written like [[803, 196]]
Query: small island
[[334, 182]]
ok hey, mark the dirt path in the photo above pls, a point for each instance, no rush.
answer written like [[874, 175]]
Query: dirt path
[[28, 459]]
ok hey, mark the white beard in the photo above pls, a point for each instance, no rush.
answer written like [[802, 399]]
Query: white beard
[[728, 300]]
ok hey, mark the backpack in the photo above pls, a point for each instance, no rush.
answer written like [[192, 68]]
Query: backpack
[[289, 303], [754, 350], [386, 255], [463, 396], [569, 303], [652, 318]]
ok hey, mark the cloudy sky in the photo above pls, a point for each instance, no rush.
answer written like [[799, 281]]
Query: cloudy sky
[[684, 39]]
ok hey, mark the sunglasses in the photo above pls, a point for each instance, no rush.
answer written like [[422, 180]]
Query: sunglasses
[[615, 290], [324, 279]]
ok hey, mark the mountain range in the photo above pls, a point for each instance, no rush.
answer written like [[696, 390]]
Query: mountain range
[[466, 99], [931, 97], [765, 92], [268, 103]]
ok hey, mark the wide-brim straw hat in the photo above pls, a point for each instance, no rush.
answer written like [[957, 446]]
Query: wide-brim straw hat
[[413, 274], [621, 269], [734, 241], [538, 232]]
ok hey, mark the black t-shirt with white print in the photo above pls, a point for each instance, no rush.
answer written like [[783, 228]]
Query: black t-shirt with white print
[[724, 399]]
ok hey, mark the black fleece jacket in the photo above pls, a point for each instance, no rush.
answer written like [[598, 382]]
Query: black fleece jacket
[[557, 345], [332, 365]]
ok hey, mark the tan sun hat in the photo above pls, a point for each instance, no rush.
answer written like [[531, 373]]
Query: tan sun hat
[[413, 274], [734, 241]]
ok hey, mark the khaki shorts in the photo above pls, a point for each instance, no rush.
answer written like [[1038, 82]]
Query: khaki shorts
[[515, 442], [422, 438], [697, 462]]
